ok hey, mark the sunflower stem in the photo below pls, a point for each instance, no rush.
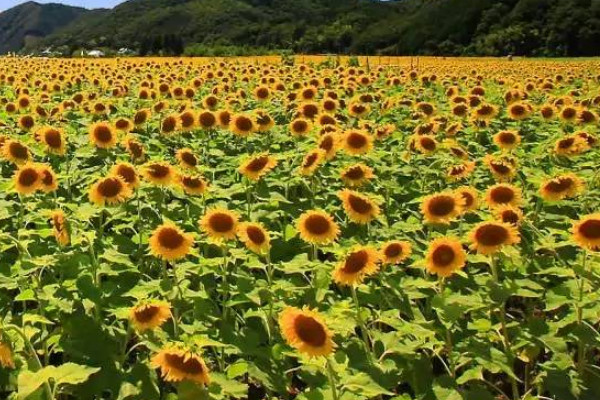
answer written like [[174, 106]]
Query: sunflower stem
[[331, 377], [580, 345], [363, 327], [271, 300], [34, 356], [504, 330], [248, 199]]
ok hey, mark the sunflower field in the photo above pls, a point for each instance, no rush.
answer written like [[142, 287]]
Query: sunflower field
[[180, 228]]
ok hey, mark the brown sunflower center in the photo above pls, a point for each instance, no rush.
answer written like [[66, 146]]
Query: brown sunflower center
[[355, 262], [427, 143], [158, 171], [317, 224], [208, 119], [327, 143], [127, 173], [502, 195], [443, 255], [310, 110], [359, 204], [356, 140], [184, 363], [103, 134], [393, 250], [590, 229], [187, 119], [18, 151], [441, 205], [221, 222], [140, 117], [170, 238], [310, 331], [189, 158], [355, 173], [258, 163], [510, 216], [310, 160], [255, 234], [146, 313], [122, 124], [28, 177], [500, 168], [27, 121], [469, 199], [244, 124], [300, 126], [491, 235], [110, 187], [169, 124], [53, 138], [559, 185], [566, 143], [191, 182], [507, 138], [47, 178]]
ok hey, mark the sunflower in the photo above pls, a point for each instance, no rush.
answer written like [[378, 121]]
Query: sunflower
[[263, 120], [61, 228], [177, 364], [357, 175], [548, 111], [311, 161], [442, 208], [568, 113], [6, 356], [124, 125], [134, 148], [470, 197], [586, 232], [561, 187], [141, 117], [489, 237], [519, 111], [27, 179], [127, 172], [257, 166], [507, 140], [220, 224], [317, 227], [305, 330], [48, 179], [103, 135], [444, 256], [485, 112], [395, 251], [359, 263], [254, 236], [503, 194], [460, 171], [149, 315], [425, 144], [110, 190], [508, 214], [169, 242], [186, 158], [358, 207], [159, 173], [26, 122], [223, 118], [329, 142], [52, 138], [300, 127], [570, 145], [502, 170], [207, 119], [242, 125], [170, 124], [16, 152], [187, 120], [356, 142]]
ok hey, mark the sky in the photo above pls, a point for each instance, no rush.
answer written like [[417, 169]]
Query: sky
[[6, 4]]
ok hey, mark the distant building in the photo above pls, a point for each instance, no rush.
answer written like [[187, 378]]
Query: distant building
[[95, 53]]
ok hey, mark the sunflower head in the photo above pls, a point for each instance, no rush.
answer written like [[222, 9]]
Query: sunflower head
[[110, 190], [305, 330], [15, 152], [358, 207], [509, 214], [103, 135], [48, 179], [507, 140], [317, 227], [395, 251], [300, 126], [503, 194], [356, 142], [444, 257], [442, 208], [220, 224], [186, 158], [470, 196], [159, 173], [149, 315], [489, 237], [254, 236], [561, 187], [586, 232], [61, 227], [311, 161], [242, 125], [357, 175], [178, 364], [27, 179], [169, 242], [360, 262], [257, 166], [127, 172]]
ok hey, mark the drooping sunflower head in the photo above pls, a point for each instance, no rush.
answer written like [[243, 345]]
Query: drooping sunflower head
[[358, 207], [134, 148], [127, 172], [124, 125], [6, 356], [357, 175], [570, 145], [460, 171], [254, 236], [170, 124], [489, 237], [425, 144], [317, 227], [329, 142], [470, 197], [257, 166], [561, 187], [61, 227], [186, 158], [159, 173], [141, 117], [110, 190], [169, 242], [360, 262], [193, 185], [356, 142], [311, 161], [178, 364], [103, 135], [502, 170], [48, 179], [220, 224], [305, 330], [395, 251], [441, 208], [148, 315], [27, 179], [444, 257], [586, 232]]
